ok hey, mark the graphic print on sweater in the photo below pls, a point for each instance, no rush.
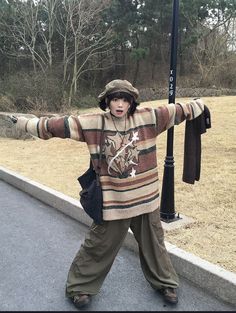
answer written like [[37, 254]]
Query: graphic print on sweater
[[122, 154]]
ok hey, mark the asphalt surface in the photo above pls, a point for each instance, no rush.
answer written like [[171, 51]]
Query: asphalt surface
[[38, 244]]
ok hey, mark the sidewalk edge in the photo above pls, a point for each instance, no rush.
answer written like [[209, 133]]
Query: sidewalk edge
[[212, 278]]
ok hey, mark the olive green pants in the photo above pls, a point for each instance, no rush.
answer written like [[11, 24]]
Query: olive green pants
[[102, 243]]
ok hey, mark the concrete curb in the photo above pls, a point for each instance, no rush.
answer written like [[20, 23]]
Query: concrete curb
[[212, 278]]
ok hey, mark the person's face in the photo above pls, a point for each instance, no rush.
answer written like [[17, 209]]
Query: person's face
[[119, 107]]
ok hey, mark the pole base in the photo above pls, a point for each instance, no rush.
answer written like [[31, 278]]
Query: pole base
[[169, 218]]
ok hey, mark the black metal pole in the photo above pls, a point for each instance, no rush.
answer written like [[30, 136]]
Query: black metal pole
[[167, 208]]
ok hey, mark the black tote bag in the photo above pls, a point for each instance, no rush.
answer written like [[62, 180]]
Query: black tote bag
[[91, 194]]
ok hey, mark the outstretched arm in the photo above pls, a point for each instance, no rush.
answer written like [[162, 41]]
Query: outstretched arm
[[173, 114], [46, 128]]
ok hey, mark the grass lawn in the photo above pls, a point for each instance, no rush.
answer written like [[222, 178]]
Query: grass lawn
[[211, 202]]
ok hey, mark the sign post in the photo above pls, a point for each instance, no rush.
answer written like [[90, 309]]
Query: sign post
[[167, 208]]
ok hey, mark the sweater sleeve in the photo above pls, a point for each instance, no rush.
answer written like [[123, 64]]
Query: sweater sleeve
[[62, 127], [173, 114]]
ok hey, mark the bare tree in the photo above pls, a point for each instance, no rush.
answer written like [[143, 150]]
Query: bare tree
[[63, 29], [47, 28], [211, 53], [232, 35], [33, 22], [85, 37], [23, 32]]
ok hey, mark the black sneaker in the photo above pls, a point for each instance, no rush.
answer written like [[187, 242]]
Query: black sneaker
[[169, 295], [81, 301]]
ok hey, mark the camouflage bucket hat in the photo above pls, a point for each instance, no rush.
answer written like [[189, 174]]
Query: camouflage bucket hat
[[119, 85]]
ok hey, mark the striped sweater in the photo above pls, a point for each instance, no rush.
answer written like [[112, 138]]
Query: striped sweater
[[129, 176]]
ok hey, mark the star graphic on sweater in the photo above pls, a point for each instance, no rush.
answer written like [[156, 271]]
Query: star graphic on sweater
[[135, 136], [133, 172]]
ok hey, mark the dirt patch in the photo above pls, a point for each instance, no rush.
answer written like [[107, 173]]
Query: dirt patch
[[210, 202]]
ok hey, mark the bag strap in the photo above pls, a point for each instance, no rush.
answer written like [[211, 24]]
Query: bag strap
[[101, 145], [100, 151]]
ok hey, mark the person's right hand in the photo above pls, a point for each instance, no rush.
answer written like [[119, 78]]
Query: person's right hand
[[13, 118], [20, 122]]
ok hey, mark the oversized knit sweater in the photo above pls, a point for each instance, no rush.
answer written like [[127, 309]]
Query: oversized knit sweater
[[129, 176]]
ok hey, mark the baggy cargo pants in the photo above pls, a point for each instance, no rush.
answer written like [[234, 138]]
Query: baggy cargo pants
[[102, 243]]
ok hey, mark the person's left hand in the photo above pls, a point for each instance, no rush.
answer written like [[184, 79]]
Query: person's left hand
[[21, 123], [13, 118], [200, 103]]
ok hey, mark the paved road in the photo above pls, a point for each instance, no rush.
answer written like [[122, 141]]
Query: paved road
[[38, 244]]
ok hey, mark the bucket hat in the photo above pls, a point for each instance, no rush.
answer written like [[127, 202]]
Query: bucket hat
[[119, 85]]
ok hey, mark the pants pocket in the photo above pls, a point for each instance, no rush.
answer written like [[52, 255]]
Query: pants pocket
[[99, 229], [155, 223]]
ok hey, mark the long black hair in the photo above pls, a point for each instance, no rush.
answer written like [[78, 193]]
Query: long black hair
[[104, 104]]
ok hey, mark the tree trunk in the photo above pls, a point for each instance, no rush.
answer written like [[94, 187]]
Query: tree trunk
[[136, 72]]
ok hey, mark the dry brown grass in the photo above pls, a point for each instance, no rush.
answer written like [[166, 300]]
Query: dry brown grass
[[211, 201]]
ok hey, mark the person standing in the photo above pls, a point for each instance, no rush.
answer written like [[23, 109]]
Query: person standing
[[129, 181]]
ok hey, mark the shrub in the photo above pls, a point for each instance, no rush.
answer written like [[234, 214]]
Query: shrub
[[7, 103], [88, 101]]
